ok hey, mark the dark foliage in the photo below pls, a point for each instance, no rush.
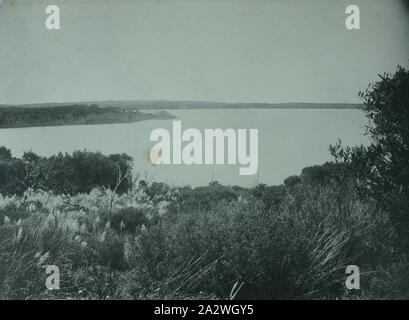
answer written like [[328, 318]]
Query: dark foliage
[[292, 181], [204, 198], [128, 219], [329, 172], [271, 196], [65, 173], [383, 167]]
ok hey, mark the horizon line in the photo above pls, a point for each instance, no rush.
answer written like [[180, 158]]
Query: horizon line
[[172, 101]]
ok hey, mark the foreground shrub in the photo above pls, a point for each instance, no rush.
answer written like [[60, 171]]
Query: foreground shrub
[[298, 251], [128, 219], [126, 246]]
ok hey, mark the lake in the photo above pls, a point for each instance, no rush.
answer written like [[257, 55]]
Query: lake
[[289, 140]]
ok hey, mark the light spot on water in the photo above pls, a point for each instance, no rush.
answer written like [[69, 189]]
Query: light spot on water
[[154, 156]]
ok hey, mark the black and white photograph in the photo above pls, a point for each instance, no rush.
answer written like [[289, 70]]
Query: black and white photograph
[[205, 150]]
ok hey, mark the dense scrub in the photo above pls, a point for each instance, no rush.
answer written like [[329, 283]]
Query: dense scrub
[[135, 245], [73, 173]]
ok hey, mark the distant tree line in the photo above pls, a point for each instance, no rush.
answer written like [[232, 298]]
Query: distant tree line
[[69, 115]]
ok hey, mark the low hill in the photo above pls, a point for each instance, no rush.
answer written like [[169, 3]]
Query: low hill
[[166, 104]]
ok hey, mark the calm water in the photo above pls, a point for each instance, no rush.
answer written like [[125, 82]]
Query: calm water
[[289, 140]]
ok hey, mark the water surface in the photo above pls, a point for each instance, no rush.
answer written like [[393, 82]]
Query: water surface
[[289, 140]]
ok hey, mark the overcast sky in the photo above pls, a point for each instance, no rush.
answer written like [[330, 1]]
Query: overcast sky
[[214, 50]]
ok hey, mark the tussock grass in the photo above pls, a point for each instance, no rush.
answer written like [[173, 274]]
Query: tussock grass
[[237, 248]]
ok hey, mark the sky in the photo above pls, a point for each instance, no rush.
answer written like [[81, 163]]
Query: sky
[[209, 50]]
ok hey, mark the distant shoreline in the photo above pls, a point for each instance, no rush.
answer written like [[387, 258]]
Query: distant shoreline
[[26, 117], [169, 105], [251, 107], [111, 112], [215, 105]]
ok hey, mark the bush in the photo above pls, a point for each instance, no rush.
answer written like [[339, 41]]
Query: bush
[[128, 220], [298, 251], [69, 174], [292, 181], [157, 242], [382, 168]]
